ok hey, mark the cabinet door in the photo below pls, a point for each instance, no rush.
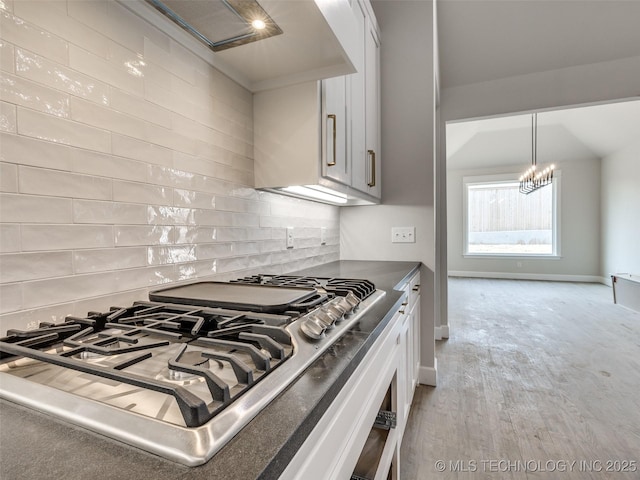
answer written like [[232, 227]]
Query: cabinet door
[[334, 124], [366, 117], [357, 100], [372, 106]]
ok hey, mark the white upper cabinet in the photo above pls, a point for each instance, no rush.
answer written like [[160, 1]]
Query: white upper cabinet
[[320, 140], [366, 104], [318, 40], [334, 153]]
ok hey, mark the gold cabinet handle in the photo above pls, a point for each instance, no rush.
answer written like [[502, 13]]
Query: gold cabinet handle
[[331, 116], [372, 157]]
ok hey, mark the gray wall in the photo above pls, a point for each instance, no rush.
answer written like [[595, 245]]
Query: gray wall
[[579, 209], [407, 106], [620, 212]]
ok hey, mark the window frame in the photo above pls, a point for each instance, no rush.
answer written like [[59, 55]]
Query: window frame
[[511, 178]]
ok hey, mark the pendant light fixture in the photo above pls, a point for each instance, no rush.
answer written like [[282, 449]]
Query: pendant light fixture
[[533, 179]]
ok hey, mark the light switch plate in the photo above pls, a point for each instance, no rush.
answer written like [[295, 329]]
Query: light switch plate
[[323, 235], [289, 237], [403, 234]]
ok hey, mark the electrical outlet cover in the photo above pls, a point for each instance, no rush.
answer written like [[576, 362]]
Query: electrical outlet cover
[[289, 237], [403, 234]]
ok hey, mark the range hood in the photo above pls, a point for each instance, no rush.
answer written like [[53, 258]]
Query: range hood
[[303, 40], [220, 24]]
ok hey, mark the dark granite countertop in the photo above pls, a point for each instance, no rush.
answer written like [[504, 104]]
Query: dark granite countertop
[[34, 445]]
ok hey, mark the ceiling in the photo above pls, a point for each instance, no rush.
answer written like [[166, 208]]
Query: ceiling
[[563, 135], [482, 40]]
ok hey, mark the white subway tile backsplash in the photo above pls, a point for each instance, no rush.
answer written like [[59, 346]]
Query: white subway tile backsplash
[[41, 181], [9, 238], [273, 245], [245, 220], [8, 178], [51, 15], [11, 297], [214, 250], [15, 208], [58, 130], [107, 259], [133, 148], [16, 267], [66, 237], [130, 30], [232, 264], [171, 177], [196, 235], [91, 211], [30, 319], [29, 151], [120, 76], [151, 276], [20, 91], [261, 234], [130, 235], [173, 254], [6, 5], [181, 65], [39, 69], [139, 107], [164, 215], [24, 34], [7, 59], [46, 292], [213, 217], [104, 117], [7, 117], [228, 234], [258, 261], [147, 180], [189, 198], [110, 166], [133, 192], [199, 269]]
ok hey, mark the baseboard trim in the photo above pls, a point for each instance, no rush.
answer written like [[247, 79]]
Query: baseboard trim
[[438, 333], [428, 375], [444, 331], [531, 276]]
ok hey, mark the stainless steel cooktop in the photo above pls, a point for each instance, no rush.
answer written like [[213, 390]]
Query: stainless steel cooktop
[[180, 379]]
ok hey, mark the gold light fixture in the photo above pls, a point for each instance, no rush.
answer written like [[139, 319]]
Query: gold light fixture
[[533, 179]]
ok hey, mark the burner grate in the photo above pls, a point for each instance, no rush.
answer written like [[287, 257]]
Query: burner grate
[[125, 338]]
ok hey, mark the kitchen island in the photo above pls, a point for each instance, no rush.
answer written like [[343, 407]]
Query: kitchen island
[[34, 445]]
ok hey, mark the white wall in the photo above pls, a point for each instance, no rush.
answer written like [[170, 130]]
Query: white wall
[[621, 212], [579, 201], [407, 108], [584, 84], [127, 162]]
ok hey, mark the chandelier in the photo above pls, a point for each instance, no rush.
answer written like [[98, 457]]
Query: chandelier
[[533, 179]]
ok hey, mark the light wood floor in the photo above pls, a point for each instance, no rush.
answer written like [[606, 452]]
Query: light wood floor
[[535, 376]]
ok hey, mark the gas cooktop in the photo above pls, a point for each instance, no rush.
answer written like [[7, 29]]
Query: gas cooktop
[[181, 374]]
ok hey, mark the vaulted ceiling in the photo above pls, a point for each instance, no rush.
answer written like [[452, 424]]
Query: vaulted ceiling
[[563, 135]]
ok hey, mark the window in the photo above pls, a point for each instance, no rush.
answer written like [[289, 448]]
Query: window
[[502, 221]]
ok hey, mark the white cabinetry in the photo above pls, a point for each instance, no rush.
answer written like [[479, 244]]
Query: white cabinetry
[[366, 144], [345, 441], [410, 349], [325, 133]]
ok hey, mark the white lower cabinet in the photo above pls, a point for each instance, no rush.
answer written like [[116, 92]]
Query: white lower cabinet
[[346, 443]]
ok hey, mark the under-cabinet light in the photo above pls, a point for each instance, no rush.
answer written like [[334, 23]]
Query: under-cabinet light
[[318, 192]]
